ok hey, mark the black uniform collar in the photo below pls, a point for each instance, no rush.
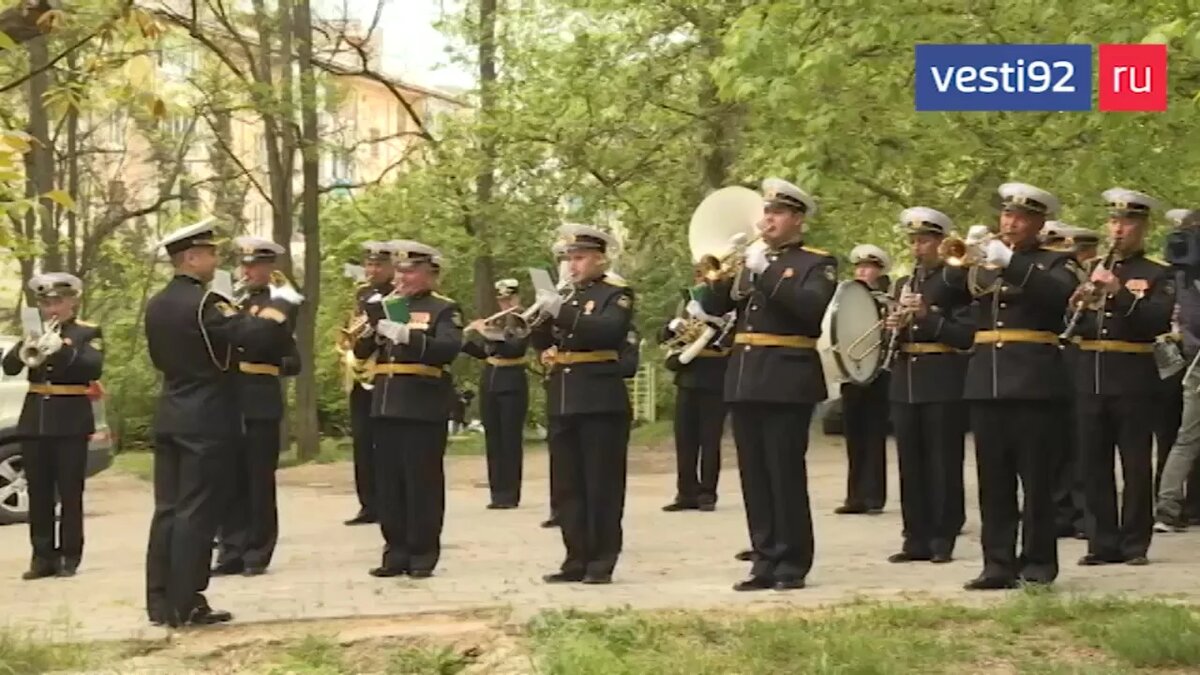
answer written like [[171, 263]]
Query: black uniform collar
[[385, 286], [419, 295], [183, 276], [1140, 253]]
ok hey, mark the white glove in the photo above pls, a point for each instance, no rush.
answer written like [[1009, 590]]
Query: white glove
[[695, 311], [49, 343], [996, 253], [738, 239], [396, 332], [756, 259], [551, 302], [977, 233], [287, 294], [676, 324]]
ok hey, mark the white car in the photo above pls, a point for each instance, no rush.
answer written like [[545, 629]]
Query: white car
[[14, 493]]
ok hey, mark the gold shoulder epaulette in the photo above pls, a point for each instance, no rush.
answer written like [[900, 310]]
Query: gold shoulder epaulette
[[813, 249], [85, 324], [439, 296], [615, 281], [1156, 260], [362, 284]]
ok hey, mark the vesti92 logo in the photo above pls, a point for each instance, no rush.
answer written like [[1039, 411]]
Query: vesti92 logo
[[1024, 77]]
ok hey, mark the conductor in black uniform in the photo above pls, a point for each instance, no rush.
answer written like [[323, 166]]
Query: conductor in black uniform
[[56, 421], [1116, 380], [699, 413], [1016, 383], [865, 407], [380, 270], [588, 406], [926, 387], [774, 380], [251, 525], [410, 409], [191, 334], [503, 399]]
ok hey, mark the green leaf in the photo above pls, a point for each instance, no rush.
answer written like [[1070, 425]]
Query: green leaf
[[6, 42], [61, 198]]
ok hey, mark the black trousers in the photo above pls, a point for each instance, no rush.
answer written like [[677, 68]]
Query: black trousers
[[504, 431], [772, 441], [190, 479], [250, 527], [1070, 503], [411, 488], [54, 468], [929, 444], [1016, 440], [1124, 424], [1167, 418], [699, 424], [588, 468], [865, 416], [362, 429]]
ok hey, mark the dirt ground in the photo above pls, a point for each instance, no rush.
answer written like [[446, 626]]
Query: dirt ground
[[492, 560]]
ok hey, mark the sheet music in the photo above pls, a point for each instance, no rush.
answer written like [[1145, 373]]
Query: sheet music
[[541, 280], [222, 284], [31, 322]]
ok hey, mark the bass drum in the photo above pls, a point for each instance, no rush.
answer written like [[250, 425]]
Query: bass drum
[[852, 337]]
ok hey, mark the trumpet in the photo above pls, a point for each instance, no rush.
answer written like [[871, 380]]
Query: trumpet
[[730, 265], [513, 323], [241, 290], [967, 252], [31, 352]]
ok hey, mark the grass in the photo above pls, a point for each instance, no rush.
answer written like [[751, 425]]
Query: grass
[[1031, 633], [22, 653], [140, 464]]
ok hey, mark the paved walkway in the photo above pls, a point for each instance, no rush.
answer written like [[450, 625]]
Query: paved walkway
[[495, 558]]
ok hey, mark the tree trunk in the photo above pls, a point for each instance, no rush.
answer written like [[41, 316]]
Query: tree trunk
[[40, 161], [477, 226], [20, 22], [306, 423], [72, 158]]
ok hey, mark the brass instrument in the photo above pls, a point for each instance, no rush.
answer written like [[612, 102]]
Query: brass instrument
[[722, 229], [1089, 296], [968, 252], [242, 289], [694, 335], [510, 323], [31, 354]]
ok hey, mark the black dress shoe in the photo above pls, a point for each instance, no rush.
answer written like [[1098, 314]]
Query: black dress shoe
[[500, 507], [227, 568], [754, 584], [386, 572], [745, 556], [1092, 559], [679, 506], [597, 579], [207, 616], [68, 570], [1138, 561], [550, 522], [254, 571], [39, 572], [707, 506], [420, 574], [983, 583], [562, 578], [940, 558], [1081, 535], [362, 519], [789, 584], [874, 510], [849, 509], [904, 556]]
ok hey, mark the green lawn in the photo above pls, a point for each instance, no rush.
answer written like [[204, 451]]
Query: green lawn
[[1037, 632]]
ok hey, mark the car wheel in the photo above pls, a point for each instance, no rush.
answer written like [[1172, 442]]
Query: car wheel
[[14, 491]]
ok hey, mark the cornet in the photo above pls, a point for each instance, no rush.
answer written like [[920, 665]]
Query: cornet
[[241, 290], [1089, 296], [31, 353], [959, 252]]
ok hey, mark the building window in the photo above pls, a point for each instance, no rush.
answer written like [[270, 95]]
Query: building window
[[375, 143]]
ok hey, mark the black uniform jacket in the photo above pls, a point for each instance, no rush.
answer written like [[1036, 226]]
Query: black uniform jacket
[[588, 335], [504, 364], [411, 380], [707, 370], [261, 364], [931, 360], [363, 294], [57, 403], [1114, 346], [629, 356], [1016, 354], [788, 301], [191, 335]]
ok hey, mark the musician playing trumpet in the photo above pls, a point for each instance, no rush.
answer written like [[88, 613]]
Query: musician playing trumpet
[[503, 397], [55, 423], [775, 379], [699, 408], [932, 325], [587, 406], [1116, 381]]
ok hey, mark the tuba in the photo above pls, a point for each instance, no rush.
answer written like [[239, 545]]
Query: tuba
[[31, 353], [722, 227]]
